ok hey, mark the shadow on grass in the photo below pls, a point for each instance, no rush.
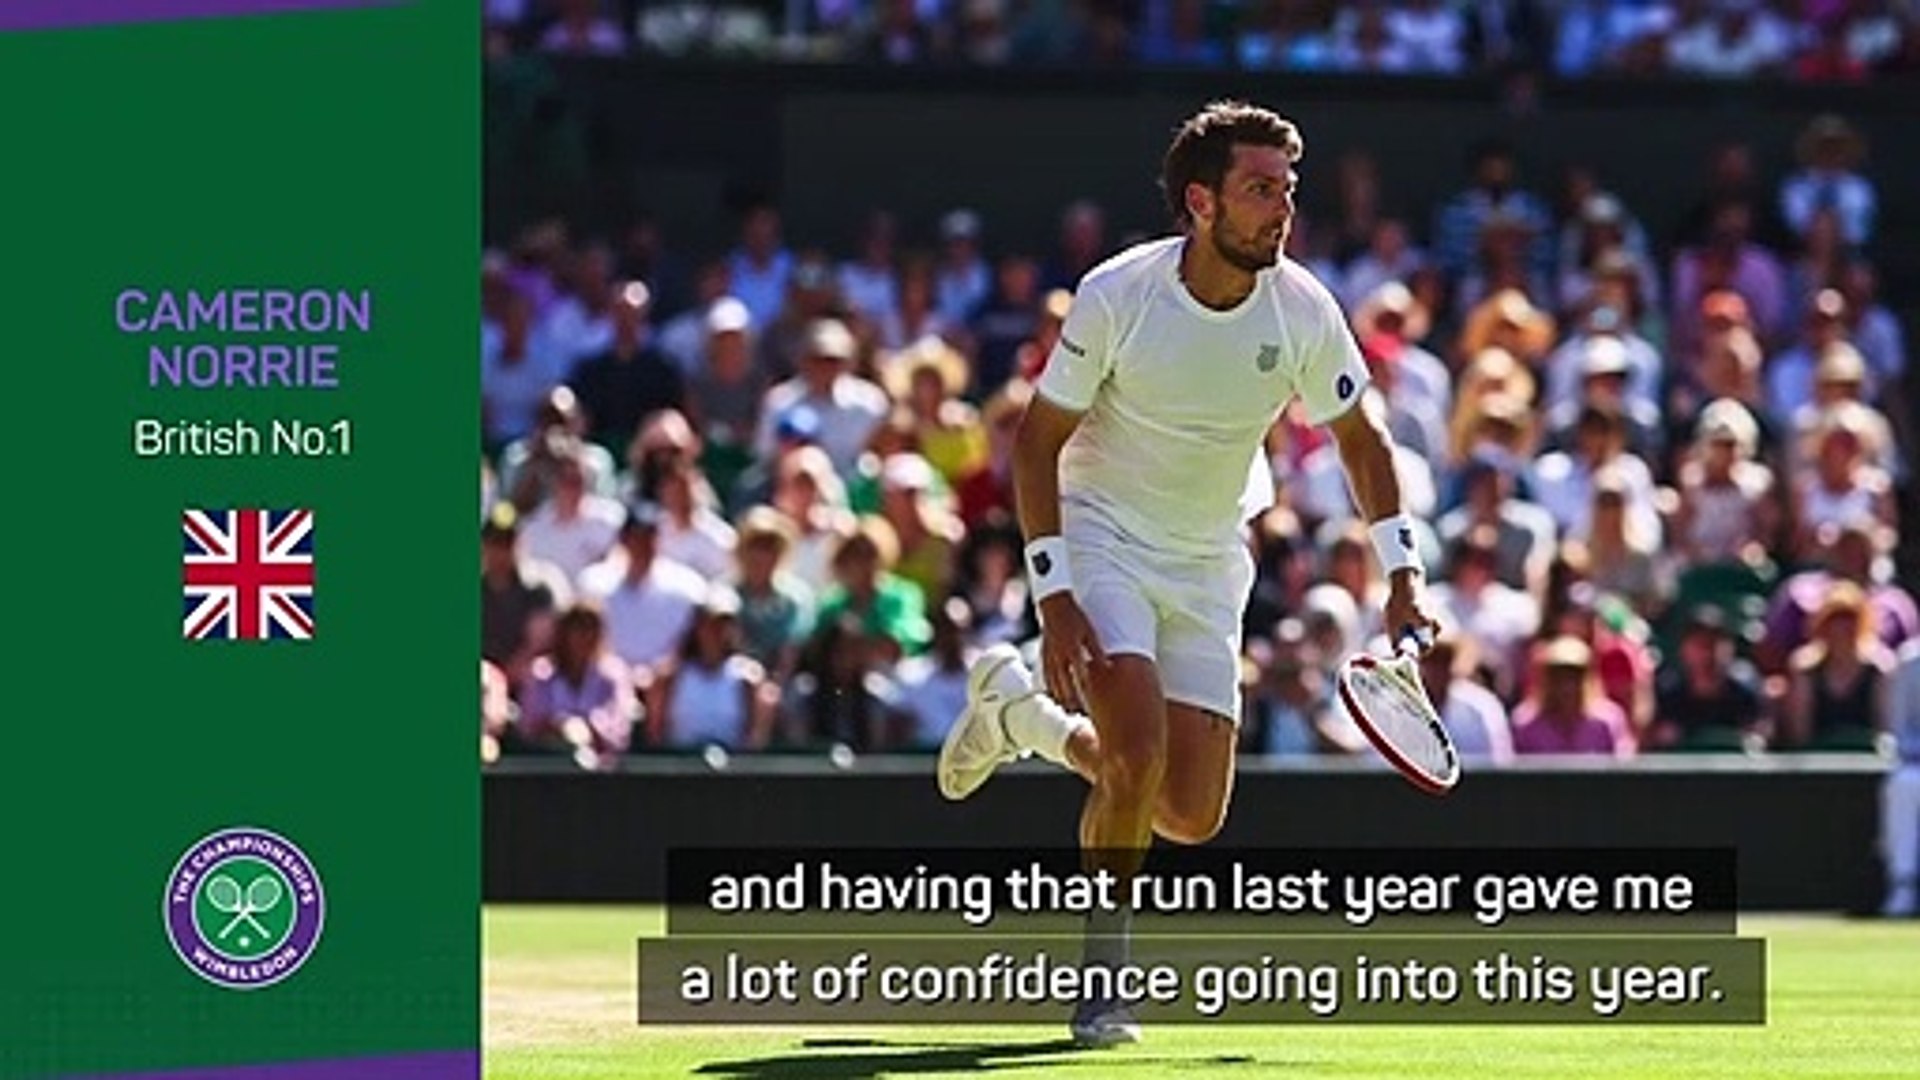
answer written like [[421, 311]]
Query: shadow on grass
[[875, 1057]]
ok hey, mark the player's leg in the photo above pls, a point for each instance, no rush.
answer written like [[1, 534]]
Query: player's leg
[[1200, 671], [1009, 714], [1199, 777]]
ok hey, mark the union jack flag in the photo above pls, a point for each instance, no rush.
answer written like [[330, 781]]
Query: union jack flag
[[248, 574]]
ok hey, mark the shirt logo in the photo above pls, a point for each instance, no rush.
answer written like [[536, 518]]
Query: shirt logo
[[1268, 359], [1344, 387], [1071, 346]]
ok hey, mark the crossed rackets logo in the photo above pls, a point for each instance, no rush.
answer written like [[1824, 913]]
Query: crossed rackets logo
[[261, 897], [244, 908]]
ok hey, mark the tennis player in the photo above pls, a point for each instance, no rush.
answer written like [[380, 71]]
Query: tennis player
[[1137, 463]]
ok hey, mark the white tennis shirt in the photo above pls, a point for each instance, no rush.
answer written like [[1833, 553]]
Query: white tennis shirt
[[1179, 398]]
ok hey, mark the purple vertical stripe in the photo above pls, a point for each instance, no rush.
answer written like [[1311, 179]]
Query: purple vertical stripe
[[48, 14], [437, 1065]]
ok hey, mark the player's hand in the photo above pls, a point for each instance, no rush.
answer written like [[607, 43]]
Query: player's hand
[[1407, 613], [1068, 650]]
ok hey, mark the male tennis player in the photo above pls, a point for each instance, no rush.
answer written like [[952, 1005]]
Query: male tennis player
[[1138, 460]]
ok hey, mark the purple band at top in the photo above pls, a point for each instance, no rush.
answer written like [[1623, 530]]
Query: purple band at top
[[49, 14], [436, 1065]]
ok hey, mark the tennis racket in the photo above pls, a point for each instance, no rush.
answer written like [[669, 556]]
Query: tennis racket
[[1389, 703]]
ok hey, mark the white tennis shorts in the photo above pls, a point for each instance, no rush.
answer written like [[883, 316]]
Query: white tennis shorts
[[1183, 612]]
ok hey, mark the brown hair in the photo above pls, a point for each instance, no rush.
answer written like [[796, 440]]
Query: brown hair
[[1202, 148]]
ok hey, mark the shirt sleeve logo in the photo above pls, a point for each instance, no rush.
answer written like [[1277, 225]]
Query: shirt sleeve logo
[[1344, 386]]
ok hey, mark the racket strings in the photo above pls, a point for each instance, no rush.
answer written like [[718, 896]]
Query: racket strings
[[1404, 718]]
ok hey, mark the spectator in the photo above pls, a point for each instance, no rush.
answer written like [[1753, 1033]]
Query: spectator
[[927, 533], [1839, 385], [1524, 535], [1728, 258], [992, 582], [812, 496], [724, 397], [1563, 480], [578, 700], [1286, 35], [1790, 374], [496, 711], [1176, 36], [1472, 600], [1837, 694], [885, 607], [1876, 333], [1564, 715], [1432, 34], [715, 695], [1388, 258], [1494, 191], [1392, 321], [929, 379], [776, 608], [1830, 152], [844, 693], [1507, 320], [518, 597], [1082, 245], [1728, 509], [1473, 716], [962, 279], [916, 319], [761, 264], [579, 324], [1851, 553], [648, 600], [849, 408], [582, 31], [812, 296], [529, 464], [1291, 710], [1623, 668], [1733, 39], [574, 528], [933, 687], [989, 489], [685, 337], [1841, 487], [1706, 697], [1615, 376], [1621, 560], [1364, 41], [517, 368], [631, 379], [868, 283], [1005, 321], [691, 532]]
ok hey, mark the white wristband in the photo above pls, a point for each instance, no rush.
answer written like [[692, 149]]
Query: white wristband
[[1047, 570], [1393, 542]]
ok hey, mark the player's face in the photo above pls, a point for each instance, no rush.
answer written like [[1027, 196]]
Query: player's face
[[1254, 208]]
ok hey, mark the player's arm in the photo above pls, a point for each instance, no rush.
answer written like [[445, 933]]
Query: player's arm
[[1067, 641], [1080, 362], [1366, 452]]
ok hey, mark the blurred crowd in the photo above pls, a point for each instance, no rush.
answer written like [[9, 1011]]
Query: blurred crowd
[[759, 499], [1807, 40]]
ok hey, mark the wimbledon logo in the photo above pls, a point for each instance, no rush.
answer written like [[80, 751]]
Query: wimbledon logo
[[243, 908]]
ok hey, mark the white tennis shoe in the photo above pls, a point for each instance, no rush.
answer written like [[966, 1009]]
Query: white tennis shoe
[[1104, 1023], [978, 742]]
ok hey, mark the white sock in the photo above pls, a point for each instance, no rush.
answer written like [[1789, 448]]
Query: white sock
[[1039, 724]]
